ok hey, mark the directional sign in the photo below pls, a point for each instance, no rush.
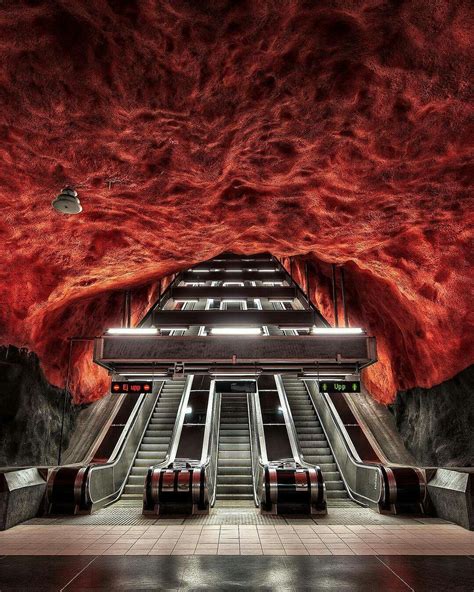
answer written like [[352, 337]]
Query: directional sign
[[339, 386], [119, 388], [236, 386]]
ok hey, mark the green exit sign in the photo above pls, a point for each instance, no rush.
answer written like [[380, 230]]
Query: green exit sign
[[339, 386]]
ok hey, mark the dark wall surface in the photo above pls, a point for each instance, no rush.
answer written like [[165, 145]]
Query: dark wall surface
[[437, 424], [30, 411]]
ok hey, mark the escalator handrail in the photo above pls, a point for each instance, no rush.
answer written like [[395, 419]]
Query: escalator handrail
[[178, 426], [95, 467], [257, 444], [211, 442], [376, 467], [290, 426]]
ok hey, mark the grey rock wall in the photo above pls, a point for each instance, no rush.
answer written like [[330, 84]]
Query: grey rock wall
[[437, 424], [30, 411]]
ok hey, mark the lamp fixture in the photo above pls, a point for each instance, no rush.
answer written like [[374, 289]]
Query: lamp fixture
[[67, 202]]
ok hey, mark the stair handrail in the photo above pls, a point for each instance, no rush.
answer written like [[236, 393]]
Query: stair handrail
[[210, 449], [291, 428], [350, 481], [146, 402], [178, 426], [258, 449]]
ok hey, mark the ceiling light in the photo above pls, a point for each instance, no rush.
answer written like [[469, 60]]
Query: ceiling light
[[337, 330], [144, 374], [189, 410], [133, 331], [315, 375], [67, 202], [236, 331]]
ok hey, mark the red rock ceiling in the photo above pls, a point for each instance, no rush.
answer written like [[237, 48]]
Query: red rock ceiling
[[337, 131]]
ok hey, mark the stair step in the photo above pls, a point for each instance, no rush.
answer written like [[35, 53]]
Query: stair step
[[337, 494], [234, 488], [234, 470], [233, 496], [320, 453], [334, 485], [234, 480], [234, 454], [317, 459], [139, 471], [308, 439], [156, 439], [232, 439], [153, 449], [134, 488], [228, 446]]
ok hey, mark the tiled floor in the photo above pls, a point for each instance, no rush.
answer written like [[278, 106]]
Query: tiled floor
[[352, 574], [280, 539]]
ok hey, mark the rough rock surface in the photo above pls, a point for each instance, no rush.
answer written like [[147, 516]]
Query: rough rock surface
[[30, 412], [334, 130], [437, 424]]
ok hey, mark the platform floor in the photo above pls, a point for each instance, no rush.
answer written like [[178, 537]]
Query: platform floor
[[231, 549]]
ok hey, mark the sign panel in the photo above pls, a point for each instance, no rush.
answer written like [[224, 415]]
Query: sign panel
[[236, 386], [339, 386], [140, 386]]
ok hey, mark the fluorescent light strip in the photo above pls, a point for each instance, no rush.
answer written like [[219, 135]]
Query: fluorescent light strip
[[133, 331], [236, 331], [250, 374], [325, 374], [144, 374], [337, 330]]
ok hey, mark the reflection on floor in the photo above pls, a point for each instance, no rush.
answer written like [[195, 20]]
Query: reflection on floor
[[275, 574]]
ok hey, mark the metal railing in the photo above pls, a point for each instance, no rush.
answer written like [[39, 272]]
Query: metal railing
[[211, 443], [291, 429], [178, 426], [364, 481], [105, 482], [258, 448]]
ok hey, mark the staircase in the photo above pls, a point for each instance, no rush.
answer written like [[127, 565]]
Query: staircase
[[313, 443], [156, 441], [234, 464]]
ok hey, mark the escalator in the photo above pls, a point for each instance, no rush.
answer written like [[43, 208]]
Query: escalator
[[284, 482], [176, 447], [184, 483], [234, 465], [312, 440], [156, 441]]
